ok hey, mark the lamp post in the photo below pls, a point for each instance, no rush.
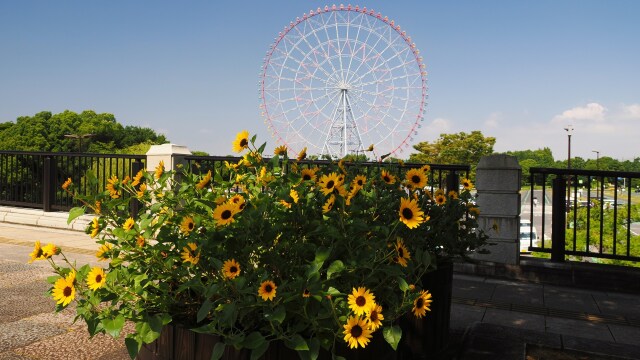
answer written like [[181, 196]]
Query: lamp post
[[79, 137], [597, 165], [569, 130]]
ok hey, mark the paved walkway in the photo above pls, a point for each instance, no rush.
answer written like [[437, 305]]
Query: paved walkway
[[491, 318]]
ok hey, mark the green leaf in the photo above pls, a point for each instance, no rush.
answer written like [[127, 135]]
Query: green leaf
[[204, 309], [113, 326], [133, 346], [313, 269], [253, 340], [314, 350], [218, 350], [335, 267], [392, 335], [296, 342], [150, 329], [426, 258], [278, 314], [53, 279], [333, 291], [257, 353], [75, 213], [402, 284], [322, 254]]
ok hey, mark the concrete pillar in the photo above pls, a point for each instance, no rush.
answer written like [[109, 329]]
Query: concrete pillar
[[498, 185], [169, 153]]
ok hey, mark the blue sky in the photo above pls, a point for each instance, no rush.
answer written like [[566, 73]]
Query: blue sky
[[517, 70]]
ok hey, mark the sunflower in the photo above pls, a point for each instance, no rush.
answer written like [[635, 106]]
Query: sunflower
[[294, 196], [416, 178], [137, 178], [309, 174], [426, 168], [356, 332], [128, 224], [204, 181], [280, 150], [302, 154], [341, 166], [328, 205], [159, 170], [141, 191], [328, 182], [66, 184], [238, 200], [370, 148], [241, 142], [49, 250], [95, 227], [140, 241], [306, 293], [230, 269], [37, 252], [267, 290], [63, 290], [189, 253], [374, 317], [96, 278], [359, 181], [410, 213], [421, 304], [187, 225], [403, 254], [97, 207], [360, 300], [474, 211], [387, 177], [466, 184], [103, 251], [440, 199], [223, 214], [111, 187], [453, 194], [285, 204]]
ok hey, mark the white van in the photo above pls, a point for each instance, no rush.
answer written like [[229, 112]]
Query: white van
[[526, 233]]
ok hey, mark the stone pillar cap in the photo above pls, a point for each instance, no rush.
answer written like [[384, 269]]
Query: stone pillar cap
[[499, 161]]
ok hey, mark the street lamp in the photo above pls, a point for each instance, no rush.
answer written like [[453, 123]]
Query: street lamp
[[569, 130], [79, 137], [597, 165]]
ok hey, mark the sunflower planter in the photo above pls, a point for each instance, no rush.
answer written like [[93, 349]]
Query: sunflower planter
[[268, 255]]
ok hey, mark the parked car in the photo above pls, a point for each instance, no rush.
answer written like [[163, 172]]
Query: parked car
[[527, 233]]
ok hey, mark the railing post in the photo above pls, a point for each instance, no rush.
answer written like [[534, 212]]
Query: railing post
[[453, 181], [48, 180], [558, 218]]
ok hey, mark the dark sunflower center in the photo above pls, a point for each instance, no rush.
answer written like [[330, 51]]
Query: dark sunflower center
[[190, 225], [306, 177], [374, 316], [401, 252], [67, 291], [330, 184], [420, 303], [306, 291], [244, 142], [360, 182], [361, 301], [415, 179], [40, 252], [407, 213], [225, 214], [386, 178], [98, 278], [268, 289], [356, 331], [233, 269]]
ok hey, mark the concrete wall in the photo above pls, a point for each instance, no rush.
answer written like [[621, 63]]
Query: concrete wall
[[498, 186]]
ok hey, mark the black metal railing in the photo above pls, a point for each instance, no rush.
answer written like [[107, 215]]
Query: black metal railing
[[440, 176], [594, 214], [34, 179]]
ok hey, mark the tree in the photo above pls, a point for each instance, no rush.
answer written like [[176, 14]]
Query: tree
[[46, 132], [459, 148]]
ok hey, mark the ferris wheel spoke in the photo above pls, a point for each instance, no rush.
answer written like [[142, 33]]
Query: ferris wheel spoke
[[315, 31], [311, 47]]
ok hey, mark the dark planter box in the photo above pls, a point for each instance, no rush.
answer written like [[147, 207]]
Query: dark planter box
[[424, 338]]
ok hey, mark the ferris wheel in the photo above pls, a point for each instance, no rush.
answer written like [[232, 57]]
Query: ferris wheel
[[340, 79]]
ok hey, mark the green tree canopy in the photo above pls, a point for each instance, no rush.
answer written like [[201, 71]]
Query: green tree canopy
[[459, 148], [101, 132]]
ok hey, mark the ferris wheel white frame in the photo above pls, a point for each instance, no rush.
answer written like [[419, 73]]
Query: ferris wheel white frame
[[341, 78]]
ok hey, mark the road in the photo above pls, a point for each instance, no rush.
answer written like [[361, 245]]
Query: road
[[544, 202]]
